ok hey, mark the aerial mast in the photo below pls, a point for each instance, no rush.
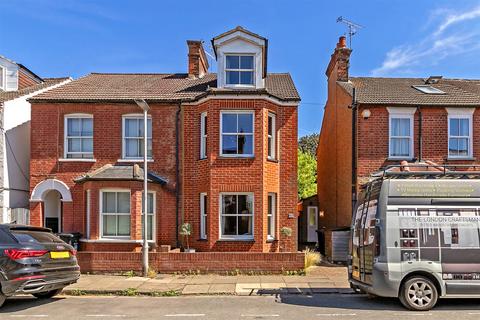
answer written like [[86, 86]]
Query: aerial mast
[[352, 28]]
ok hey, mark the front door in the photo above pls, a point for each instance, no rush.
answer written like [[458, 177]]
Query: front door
[[52, 207], [312, 226]]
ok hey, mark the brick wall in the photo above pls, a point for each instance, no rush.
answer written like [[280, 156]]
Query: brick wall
[[183, 262]]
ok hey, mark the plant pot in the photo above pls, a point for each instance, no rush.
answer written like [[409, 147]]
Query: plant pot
[[191, 250]]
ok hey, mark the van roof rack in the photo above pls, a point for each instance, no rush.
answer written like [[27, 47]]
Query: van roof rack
[[430, 171]]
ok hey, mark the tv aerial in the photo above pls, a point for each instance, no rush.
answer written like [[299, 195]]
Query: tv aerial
[[352, 28]]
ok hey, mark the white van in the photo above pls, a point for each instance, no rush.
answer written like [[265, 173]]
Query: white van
[[417, 237]]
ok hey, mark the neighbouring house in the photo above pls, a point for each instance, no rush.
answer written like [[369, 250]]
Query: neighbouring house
[[17, 84], [432, 120], [222, 154]]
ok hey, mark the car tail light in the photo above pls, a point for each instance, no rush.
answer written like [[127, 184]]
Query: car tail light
[[16, 254], [73, 252]]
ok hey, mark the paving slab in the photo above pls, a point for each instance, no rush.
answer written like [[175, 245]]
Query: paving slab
[[273, 285], [196, 289], [247, 289], [295, 279], [222, 288], [203, 279], [248, 279], [299, 288], [224, 280]]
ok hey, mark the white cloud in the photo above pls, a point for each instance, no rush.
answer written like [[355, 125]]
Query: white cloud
[[449, 39]]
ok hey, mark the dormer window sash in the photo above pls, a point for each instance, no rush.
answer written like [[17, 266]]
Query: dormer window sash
[[240, 70]]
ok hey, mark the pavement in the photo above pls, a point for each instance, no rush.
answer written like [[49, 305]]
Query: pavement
[[317, 280], [281, 307]]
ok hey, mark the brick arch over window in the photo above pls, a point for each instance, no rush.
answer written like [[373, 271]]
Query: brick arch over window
[[41, 189]]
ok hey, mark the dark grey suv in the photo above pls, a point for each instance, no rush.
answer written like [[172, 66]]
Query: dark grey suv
[[34, 261]]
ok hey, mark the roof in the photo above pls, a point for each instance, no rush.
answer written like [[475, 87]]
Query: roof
[[47, 82], [157, 87], [400, 91], [120, 172], [238, 28]]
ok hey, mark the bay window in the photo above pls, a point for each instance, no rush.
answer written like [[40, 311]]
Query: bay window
[[203, 135], [271, 215], [203, 215], [236, 133], [236, 216], [133, 137], [115, 214], [78, 136], [150, 215], [272, 152]]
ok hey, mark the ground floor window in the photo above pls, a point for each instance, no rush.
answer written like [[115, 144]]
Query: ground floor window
[[203, 216], [236, 216], [150, 215], [271, 213], [115, 214]]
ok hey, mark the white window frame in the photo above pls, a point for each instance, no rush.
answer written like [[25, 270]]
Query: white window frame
[[272, 223], [272, 151], [66, 137], [400, 113], [461, 113], [203, 135], [236, 237], [203, 215], [154, 215], [3, 76], [124, 150], [101, 214], [244, 155], [253, 55]]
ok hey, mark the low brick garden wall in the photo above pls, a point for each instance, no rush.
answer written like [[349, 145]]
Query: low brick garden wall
[[199, 261]]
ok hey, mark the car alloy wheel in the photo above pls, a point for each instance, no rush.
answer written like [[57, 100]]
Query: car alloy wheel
[[419, 294]]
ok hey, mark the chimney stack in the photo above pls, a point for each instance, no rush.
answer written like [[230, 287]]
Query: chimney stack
[[340, 61], [197, 59]]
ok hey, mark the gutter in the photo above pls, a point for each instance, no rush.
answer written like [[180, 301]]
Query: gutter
[[420, 143], [354, 108], [177, 174]]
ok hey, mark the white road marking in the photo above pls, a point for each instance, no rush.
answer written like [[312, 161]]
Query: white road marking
[[473, 313], [259, 315], [106, 315], [336, 314], [185, 315], [413, 314], [29, 315]]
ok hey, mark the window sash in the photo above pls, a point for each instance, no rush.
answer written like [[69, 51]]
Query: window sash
[[203, 135], [271, 136], [2, 77], [271, 215], [150, 215], [82, 153], [203, 215], [138, 137], [105, 216], [455, 149], [237, 134], [237, 216], [239, 70], [397, 150]]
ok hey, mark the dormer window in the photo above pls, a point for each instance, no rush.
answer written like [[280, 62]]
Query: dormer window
[[239, 70], [2, 78]]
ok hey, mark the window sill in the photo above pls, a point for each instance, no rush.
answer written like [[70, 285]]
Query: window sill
[[271, 240], [76, 160], [134, 160], [236, 240], [111, 240], [226, 156], [202, 240], [461, 159], [400, 158], [200, 159], [273, 160]]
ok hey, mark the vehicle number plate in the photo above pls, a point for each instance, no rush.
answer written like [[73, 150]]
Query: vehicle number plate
[[59, 254], [356, 274]]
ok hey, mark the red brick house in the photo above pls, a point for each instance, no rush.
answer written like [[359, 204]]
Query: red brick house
[[222, 155], [391, 120]]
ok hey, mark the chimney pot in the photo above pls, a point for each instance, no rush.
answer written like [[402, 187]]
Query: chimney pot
[[342, 42]]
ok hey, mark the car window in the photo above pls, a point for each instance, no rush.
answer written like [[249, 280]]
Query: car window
[[5, 238], [24, 236]]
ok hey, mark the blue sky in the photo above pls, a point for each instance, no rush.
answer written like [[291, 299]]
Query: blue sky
[[400, 37]]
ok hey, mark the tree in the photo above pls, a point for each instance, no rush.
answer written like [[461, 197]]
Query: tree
[[307, 174], [309, 144]]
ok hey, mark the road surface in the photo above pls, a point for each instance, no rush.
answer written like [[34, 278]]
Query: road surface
[[296, 307]]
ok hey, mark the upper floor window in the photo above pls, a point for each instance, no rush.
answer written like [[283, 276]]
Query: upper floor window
[[133, 137], [236, 129], [2, 78], [460, 135], [401, 133], [203, 135], [239, 70], [272, 151], [79, 136]]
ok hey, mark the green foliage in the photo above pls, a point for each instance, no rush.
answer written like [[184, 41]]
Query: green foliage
[[308, 144], [186, 229], [129, 274], [286, 231], [307, 175], [130, 292]]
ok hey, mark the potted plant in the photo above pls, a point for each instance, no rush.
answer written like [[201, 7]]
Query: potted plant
[[186, 232], [286, 233]]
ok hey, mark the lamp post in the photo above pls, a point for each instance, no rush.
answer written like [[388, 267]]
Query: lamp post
[[145, 107]]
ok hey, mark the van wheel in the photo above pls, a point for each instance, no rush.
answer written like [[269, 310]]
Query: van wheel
[[419, 294], [47, 294]]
